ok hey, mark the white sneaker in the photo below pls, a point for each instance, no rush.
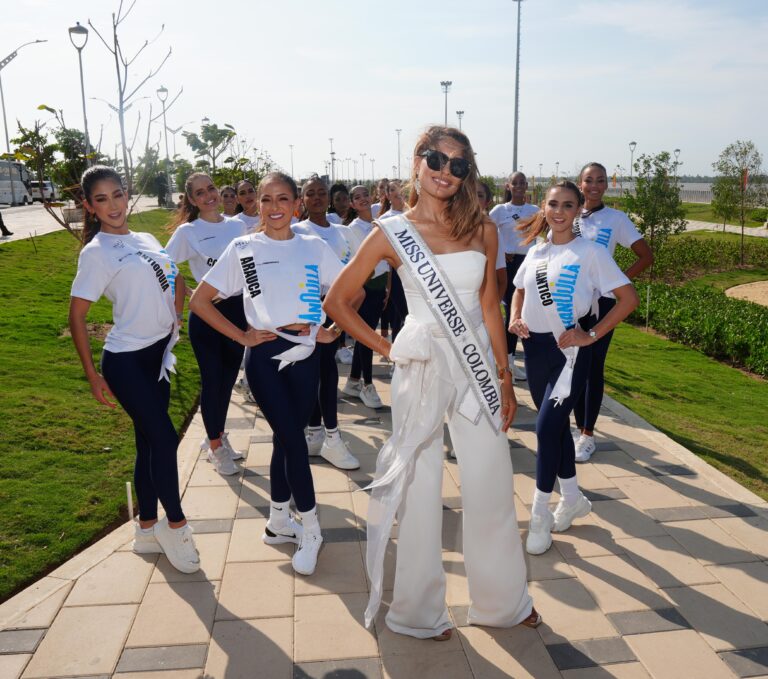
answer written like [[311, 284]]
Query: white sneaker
[[585, 446], [305, 559], [566, 513], [315, 439], [370, 396], [144, 541], [519, 373], [335, 451], [234, 454], [222, 462], [539, 533], [290, 532], [178, 545], [352, 388], [344, 356]]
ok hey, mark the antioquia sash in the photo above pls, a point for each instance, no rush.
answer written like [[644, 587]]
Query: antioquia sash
[[562, 388], [305, 344], [483, 396], [168, 290]]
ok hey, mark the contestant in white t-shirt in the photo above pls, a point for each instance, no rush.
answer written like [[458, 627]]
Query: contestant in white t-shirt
[[282, 276], [200, 235], [555, 287], [339, 208], [485, 196], [381, 195], [608, 227], [328, 444], [507, 216], [360, 382], [246, 196], [229, 202], [135, 273]]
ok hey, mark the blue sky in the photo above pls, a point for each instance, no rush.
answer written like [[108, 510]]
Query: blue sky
[[594, 75]]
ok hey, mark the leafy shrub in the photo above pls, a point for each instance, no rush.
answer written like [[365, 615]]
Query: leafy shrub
[[759, 214], [683, 257], [708, 320]]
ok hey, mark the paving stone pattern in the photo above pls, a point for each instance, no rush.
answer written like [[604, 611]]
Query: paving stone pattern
[[667, 578]]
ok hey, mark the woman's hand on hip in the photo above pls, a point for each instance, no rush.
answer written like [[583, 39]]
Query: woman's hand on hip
[[253, 337], [575, 337]]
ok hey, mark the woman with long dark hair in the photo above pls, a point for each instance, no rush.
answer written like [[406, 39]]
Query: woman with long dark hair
[[230, 206], [450, 360], [554, 289], [134, 272], [200, 235], [246, 196]]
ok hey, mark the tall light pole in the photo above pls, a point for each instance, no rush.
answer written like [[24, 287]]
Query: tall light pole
[[162, 95], [373, 174], [398, 130], [290, 146], [333, 161], [3, 64], [517, 89], [632, 147], [460, 114], [78, 36], [557, 169], [446, 85], [362, 156], [677, 155], [354, 162], [175, 131], [349, 168]]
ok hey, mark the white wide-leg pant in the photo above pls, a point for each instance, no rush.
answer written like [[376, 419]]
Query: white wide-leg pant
[[493, 552]]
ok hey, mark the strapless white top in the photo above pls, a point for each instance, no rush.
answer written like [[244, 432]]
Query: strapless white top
[[465, 270]]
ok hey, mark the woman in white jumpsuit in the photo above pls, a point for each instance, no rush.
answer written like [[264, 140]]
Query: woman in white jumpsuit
[[429, 384]]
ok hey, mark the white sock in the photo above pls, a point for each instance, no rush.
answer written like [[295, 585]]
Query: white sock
[[147, 531], [569, 489], [332, 434], [309, 520], [315, 430], [279, 513], [540, 502]]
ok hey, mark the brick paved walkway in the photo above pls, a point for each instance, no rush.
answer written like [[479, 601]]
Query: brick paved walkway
[[667, 578]]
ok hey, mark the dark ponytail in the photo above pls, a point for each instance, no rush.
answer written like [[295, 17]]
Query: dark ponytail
[[97, 173]]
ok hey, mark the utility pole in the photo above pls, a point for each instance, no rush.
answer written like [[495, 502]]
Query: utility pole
[[460, 114], [446, 85], [517, 89], [290, 146], [333, 162], [398, 130]]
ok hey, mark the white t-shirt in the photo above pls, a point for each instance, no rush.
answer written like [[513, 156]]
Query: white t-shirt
[[336, 235], [290, 276], [251, 223], [334, 218], [607, 227], [506, 217], [568, 276], [135, 273], [359, 230], [201, 243], [375, 209]]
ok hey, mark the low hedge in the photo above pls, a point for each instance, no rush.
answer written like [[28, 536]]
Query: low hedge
[[708, 320], [683, 257]]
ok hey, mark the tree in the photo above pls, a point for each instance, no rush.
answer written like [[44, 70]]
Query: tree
[[742, 162], [725, 198], [211, 143], [655, 204]]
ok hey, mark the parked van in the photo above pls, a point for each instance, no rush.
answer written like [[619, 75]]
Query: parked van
[[14, 179], [49, 192]]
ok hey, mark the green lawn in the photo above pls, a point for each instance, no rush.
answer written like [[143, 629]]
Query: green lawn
[[702, 212], [64, 459], [727, 279], [715, 411]]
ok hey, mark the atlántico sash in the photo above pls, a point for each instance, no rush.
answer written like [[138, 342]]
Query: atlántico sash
[[483, 396], [252, 290]]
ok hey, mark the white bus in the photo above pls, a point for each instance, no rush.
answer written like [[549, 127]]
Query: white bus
[[14, 183]]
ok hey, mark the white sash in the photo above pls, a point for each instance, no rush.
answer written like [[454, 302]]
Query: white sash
[[305, 344], [562, 388], [483, 396]]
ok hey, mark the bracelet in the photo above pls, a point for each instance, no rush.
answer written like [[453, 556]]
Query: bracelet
[[335, 329], [502, 370]]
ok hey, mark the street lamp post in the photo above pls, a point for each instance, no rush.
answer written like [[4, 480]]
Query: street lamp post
[[398, 130], [632, 147], [333, 161], [446, 85], [362, 156], [557, 169], [3, 64], [677, 155], [290, 146], [354, 162], [373, 174], [460, 114], [162, 95], [78, 36], [517, 90]]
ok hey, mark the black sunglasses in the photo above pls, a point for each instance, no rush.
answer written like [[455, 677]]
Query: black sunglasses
[[437, 160]]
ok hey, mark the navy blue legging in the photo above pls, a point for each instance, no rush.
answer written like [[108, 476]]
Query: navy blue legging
[[287, 399], [133, 378], [588, 404], [512, 267], [555, 452], [219, 359], [326, 405], [362, 356]]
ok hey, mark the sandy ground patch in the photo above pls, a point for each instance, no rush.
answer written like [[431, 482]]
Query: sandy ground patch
[[751, 292]]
